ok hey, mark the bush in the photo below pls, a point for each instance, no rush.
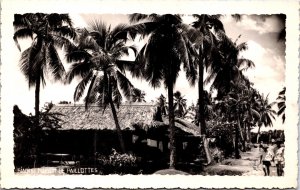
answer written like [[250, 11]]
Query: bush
[[28, 136], [117, 163]]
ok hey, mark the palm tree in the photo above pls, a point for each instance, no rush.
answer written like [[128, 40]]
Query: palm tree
[[281, 104], [47, 31], [179, 104], [95, 59], [266, 113], [204, 41], [162, 104], [208, 35], [161, 57], [229, 70], [251, 116], [240, 107], [138, 95]]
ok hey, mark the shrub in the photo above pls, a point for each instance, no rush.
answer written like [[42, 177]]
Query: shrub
[[28, 136], [117, 163]]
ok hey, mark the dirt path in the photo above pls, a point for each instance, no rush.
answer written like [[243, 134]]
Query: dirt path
[[247, 165]]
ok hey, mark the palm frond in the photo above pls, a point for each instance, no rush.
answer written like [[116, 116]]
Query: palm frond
[[22, 33], [20, 21], [89, 92], [242, 47], [61, 42], [31, 59], [283, 91], [215, 21], [119, 32], [55, 64], [65, 31], [124, 84], [245, 63], [79, 90], [136, 17], [281, 110], [26, 66], [117, 97], [81, 69]]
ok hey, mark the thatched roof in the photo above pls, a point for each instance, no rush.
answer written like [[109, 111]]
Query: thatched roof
[[183, 125], [75, 117]]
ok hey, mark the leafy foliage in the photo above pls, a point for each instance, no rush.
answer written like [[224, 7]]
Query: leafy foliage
[[159, 61], [95, 58], [48, 32], [117, 163], [281, 104], [28, 136]]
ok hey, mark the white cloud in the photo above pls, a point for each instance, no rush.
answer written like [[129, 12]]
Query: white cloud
[[254, 52], [268, 71], [269, 24]]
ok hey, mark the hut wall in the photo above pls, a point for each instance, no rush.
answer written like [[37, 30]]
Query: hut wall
[[82, 142]]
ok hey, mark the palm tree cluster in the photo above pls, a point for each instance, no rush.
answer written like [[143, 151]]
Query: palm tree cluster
[[96, 53]]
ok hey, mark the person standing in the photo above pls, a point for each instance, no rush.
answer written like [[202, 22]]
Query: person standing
[[279, 159], [266, 158]]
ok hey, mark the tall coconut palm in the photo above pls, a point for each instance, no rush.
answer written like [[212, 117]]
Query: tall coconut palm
[[95, 59], [266, 113], [204, 41], [48, 32], [251, 115], [160, 59], [281, 104], [206, 36]]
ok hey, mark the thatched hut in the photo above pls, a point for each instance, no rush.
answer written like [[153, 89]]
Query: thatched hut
[[145, 131], [93, 130]]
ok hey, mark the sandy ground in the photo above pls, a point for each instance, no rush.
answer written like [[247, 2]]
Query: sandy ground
[[248, 165]]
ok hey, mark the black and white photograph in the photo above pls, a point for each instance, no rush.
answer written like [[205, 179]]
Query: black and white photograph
[[96, 94]]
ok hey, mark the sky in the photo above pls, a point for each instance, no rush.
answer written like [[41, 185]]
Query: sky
[[264, 50]]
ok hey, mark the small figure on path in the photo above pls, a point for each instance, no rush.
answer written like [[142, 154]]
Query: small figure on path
[[259, 152], [279, 158], [266, 157]]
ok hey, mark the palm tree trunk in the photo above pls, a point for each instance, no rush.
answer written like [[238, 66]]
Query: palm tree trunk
[[242, 135], [236, 146], [202, 124], [37, 117], [258, 134], [119, 131], [249, 133], [172, 126], [37, 99], [114, 112]]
